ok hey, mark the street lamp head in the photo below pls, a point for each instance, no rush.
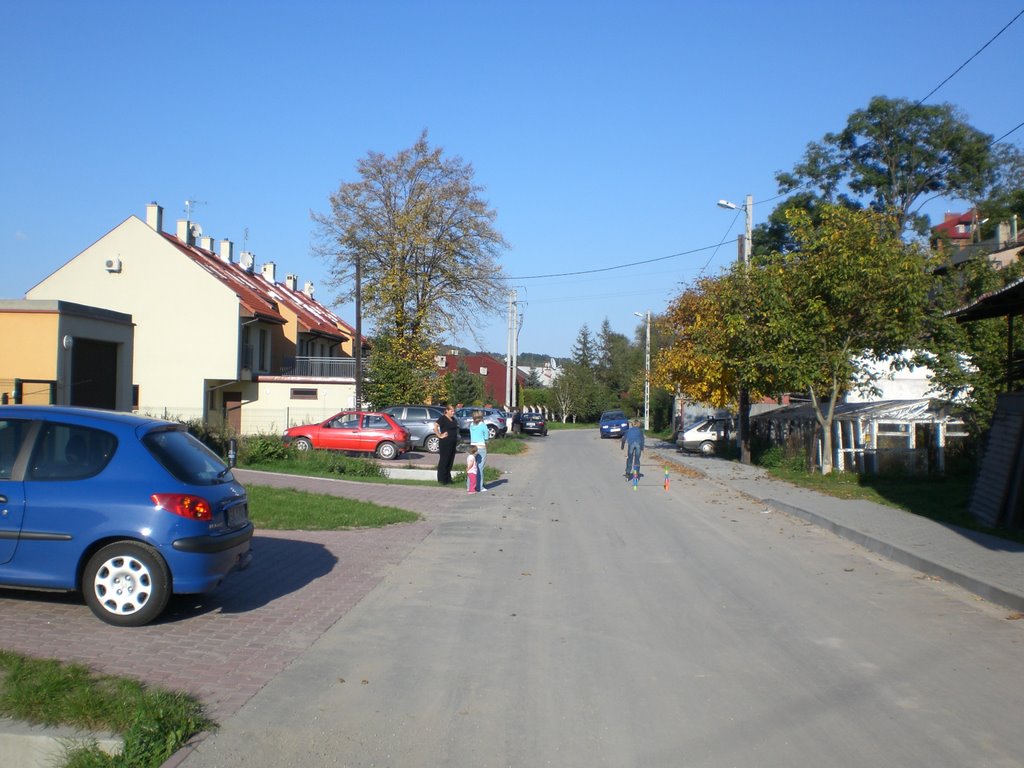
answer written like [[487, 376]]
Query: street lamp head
[[727, 204], [640, 314]]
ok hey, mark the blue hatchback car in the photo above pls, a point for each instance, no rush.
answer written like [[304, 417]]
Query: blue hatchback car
[[125, 509], [613, 424]]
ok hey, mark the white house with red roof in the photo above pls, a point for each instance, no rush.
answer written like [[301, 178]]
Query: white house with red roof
[[215, 338]]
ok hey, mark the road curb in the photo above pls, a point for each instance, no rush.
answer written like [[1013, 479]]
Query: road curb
[[37, 746], [981, 588]]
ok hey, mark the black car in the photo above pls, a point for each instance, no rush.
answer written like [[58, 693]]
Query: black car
[[419, 420], [531, 424]]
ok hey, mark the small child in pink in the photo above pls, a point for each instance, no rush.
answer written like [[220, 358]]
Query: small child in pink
[[471, 474]]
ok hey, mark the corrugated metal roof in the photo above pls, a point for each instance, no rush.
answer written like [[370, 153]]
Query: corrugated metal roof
[[1008, 300], [898, 410]]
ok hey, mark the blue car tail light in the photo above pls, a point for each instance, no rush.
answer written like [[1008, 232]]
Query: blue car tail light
[[185, 505]]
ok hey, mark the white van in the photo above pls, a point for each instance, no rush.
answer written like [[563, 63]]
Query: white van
[[706, 435]]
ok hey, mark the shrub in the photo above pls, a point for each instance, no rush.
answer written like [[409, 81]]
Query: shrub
[[215, 436], [255, 449], [336, 463]]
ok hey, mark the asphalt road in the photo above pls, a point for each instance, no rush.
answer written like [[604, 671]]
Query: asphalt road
[[566, 619]]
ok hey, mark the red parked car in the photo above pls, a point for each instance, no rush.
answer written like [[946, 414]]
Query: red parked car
[[360, 431]]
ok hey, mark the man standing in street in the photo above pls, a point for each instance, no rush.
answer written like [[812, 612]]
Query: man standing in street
[[633, 439]]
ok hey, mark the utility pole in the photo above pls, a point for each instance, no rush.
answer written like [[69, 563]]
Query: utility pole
[[743, 435], [647, 377], [510, 377], [515, 350]]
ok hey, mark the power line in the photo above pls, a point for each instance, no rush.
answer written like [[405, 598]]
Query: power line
[[1012, 130], [617, 266], [969, 60]]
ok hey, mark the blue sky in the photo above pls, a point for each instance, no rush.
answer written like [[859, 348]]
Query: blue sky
[[603, 132]]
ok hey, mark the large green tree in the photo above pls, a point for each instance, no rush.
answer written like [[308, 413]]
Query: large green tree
[[399, 378], [854, 293], [894, 156], [462, 386], [584, 349], [575, 394], [414, 237], [615, 359], [809, 320]]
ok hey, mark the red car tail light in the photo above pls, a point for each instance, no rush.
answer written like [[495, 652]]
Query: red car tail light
[[186, 505]]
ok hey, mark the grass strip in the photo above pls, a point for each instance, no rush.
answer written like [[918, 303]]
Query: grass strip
[[153, 723], [286, 509]]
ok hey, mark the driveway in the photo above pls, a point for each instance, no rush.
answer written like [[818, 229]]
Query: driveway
[[225, 646]]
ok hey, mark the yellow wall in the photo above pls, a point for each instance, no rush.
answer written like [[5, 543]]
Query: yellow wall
[[27, 352]]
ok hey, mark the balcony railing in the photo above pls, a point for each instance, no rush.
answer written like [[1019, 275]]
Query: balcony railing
[[323, 367]]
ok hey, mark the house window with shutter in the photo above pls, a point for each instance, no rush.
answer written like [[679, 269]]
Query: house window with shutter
[[303, 393]]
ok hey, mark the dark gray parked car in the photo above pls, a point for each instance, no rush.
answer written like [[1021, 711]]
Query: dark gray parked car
[[419, 420]]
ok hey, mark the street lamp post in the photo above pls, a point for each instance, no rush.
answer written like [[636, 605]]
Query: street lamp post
[[647, 371], [748, 237], [744, 394]]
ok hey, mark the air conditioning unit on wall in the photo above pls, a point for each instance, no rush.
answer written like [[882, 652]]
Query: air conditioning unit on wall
[[113, 265]]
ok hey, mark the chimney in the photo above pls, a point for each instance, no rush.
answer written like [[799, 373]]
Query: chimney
[[155, 216], [206, 243], [291, 281], [247, 261], [308, 288], [185, 231], [1002, 234], [269, 272], [226, 250]]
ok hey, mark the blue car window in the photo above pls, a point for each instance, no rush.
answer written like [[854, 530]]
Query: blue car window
[[185, 457], [12, 435], [70, 452]]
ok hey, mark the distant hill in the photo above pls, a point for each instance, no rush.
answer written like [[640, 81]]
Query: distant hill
[[526, 359], [530, 359]]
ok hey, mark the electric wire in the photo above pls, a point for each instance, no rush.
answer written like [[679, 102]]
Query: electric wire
[[970, 59]]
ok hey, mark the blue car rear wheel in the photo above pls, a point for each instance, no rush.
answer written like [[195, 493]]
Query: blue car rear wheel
[[126, 584]]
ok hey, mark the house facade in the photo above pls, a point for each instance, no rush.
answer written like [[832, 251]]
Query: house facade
[[493, 371], [216, 338]]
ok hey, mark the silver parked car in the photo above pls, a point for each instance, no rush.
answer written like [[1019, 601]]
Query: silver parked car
[[419, 420], [497, 424]]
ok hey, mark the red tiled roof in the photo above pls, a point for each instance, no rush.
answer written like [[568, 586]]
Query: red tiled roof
[[311, 314], [952, 221], [263, 299], [250, 289]]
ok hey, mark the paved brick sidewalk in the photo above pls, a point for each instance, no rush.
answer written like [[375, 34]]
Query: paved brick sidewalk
[[225, 646]]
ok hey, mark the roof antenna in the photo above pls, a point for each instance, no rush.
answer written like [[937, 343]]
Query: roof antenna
[[245, 239], [189, 205]]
